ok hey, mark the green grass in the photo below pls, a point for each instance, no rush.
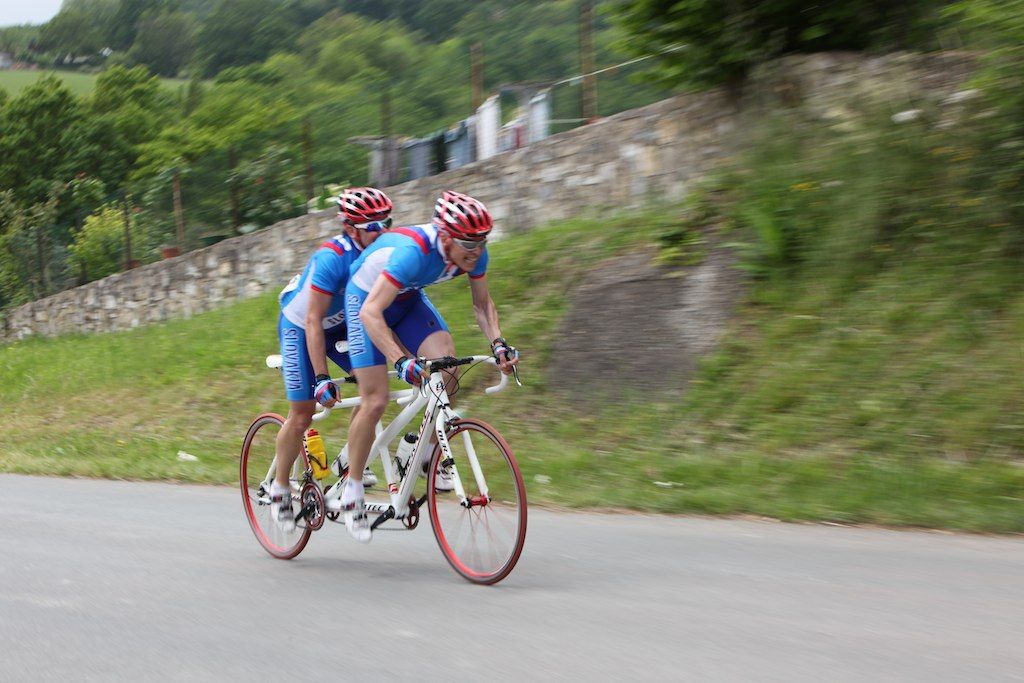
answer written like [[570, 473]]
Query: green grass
[[873, 374], [14, 81]]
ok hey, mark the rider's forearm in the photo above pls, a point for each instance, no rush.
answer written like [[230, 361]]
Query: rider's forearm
[[487, 319], [380, 334], [315, 346]]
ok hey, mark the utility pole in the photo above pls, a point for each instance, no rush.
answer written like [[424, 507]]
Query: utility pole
[[40, 257], [127, 232], [476, 61], [589, 89], [233, 199], [307, 156], [179, 215], [387, 171]]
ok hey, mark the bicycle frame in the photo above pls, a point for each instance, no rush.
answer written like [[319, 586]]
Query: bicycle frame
[[435, 405]]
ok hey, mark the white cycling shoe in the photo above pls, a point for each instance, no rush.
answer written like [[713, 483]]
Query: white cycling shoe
[[281, 510], [341, 462], [443, 480], [356, 520], [358, 524]]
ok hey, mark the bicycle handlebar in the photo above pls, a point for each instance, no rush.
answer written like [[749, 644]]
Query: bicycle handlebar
[[405, 396]]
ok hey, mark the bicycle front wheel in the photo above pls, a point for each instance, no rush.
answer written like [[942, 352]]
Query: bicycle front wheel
[[256, 472], [481, 537]]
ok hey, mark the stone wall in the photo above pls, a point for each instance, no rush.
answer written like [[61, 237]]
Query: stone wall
[[618, 162], [179, 287]]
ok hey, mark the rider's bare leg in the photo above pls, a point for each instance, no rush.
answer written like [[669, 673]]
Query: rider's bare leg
[[436, 345], [373, 394], [289, 439]]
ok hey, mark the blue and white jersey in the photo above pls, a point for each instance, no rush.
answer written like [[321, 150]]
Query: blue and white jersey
[[326, 272], [410, 258]]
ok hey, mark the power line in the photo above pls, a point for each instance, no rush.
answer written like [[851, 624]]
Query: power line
[[579, 77]]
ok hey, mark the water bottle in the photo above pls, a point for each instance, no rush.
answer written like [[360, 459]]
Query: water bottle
[[405, 448], [317, 454]]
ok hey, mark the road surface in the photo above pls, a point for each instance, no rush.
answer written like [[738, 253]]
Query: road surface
[[139, 581]]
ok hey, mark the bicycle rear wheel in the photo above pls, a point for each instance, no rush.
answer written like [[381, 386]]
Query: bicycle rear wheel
[[483, 541], [256, 472]]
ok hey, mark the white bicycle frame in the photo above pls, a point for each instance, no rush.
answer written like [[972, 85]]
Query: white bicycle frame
[[433, 400]]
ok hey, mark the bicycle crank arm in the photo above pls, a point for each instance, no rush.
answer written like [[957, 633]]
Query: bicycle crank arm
[[384, 516]]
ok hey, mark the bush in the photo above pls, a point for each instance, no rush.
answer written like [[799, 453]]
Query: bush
[[99, 247], [720, 42]]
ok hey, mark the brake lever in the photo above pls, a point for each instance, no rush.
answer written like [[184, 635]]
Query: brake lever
[[515, 373]]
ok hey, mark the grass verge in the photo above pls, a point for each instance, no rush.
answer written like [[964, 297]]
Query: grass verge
[[873, 375]]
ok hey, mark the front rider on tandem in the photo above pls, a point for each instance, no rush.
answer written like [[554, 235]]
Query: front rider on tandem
[[385, 295]]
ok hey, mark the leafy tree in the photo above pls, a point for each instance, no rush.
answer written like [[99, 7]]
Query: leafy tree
[[28, 267], [18, 40], [120, 86], [268, 187], [720, 42], [125, 22], [81, 27], [128, 110], [38, 144], [15, 252], [240, 32], [164, 41]]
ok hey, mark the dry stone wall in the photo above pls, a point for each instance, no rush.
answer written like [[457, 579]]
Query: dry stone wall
[[621, 161]]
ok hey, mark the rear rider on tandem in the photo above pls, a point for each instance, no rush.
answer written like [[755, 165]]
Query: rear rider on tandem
[[312, 321]]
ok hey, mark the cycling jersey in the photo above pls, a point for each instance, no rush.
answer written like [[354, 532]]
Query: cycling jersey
[[411, 258], [326, 272]]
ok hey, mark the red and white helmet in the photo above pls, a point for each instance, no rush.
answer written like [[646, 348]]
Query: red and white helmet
[[363, 205], [462, 216]]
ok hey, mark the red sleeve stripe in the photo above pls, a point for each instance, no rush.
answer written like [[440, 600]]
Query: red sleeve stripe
[[334, 247], [476, 277], [391, 278], [413, 234], [322, 291]]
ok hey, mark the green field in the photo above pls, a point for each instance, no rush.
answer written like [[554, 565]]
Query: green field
[[14, 81]]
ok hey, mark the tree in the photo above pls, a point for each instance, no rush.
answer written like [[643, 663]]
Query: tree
[[240, 32], [164, 41], [119, 86], [714, 42], [38, 142], [28, 267], [81, 27], [125, 21]]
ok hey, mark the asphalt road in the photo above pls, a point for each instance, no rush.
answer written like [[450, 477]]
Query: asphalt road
[[131, 581]]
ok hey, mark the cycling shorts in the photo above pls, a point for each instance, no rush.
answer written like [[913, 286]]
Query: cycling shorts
[[296, 368], [412, 317]]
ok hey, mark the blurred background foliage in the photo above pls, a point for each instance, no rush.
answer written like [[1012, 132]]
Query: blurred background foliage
[[871, 374], [271, 88]]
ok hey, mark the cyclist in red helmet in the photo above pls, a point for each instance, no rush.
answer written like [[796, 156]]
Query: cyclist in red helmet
[[312, 321], [386, 309]]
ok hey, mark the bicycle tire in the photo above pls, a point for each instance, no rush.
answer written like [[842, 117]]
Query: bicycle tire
[[256, 459], [457, 529]]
